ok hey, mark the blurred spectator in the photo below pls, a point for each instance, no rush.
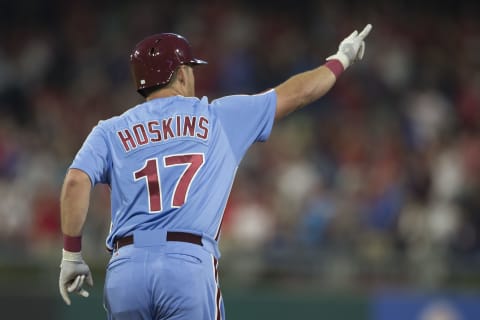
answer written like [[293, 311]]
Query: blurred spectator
[[382, 172]]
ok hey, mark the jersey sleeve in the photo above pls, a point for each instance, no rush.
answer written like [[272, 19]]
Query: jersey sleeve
[[93, 157], [246, 118]]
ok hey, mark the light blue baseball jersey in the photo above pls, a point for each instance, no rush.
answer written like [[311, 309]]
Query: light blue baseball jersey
[[171, 162]]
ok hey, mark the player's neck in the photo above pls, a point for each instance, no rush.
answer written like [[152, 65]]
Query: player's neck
[[163, 93], [168, 92]]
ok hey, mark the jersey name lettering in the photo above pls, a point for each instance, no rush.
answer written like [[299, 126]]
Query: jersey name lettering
[[154, 131]]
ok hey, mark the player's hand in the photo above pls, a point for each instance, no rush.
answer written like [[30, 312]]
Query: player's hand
[[73, 273], [352, 47]]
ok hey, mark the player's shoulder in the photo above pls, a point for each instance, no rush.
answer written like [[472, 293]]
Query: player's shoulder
[[111, 122], [242, 98], [120, 119], [154, 108]]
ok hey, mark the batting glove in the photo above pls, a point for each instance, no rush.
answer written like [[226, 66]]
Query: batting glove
[[73, 273], [352, 47]]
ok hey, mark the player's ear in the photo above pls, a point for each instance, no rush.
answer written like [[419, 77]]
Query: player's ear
[[181, 74]]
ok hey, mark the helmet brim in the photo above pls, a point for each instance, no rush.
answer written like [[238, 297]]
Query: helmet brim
[[198, 61]]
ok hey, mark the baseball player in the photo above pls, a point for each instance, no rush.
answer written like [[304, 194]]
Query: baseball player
[[170, 163]]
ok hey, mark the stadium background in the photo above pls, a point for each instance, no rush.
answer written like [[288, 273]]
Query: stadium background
[[364, 205]]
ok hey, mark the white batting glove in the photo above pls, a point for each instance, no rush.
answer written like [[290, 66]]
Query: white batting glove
[[352, 47], [73, 273]]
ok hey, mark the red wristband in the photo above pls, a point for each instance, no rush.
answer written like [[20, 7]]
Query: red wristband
[[72, 244], [335, 66]]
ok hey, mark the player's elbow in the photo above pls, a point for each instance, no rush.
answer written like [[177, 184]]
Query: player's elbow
[[289, 103]]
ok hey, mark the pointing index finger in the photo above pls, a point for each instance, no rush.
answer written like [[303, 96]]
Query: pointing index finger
[[362, 35]]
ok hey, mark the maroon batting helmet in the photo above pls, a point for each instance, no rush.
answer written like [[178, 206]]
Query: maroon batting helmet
[[157, 57]]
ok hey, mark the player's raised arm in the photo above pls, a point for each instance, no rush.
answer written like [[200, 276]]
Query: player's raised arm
[[309, 86]]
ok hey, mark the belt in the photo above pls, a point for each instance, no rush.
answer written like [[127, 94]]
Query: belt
[[171, 236]]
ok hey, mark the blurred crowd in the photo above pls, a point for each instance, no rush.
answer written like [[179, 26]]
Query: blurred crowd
[[377, 181]]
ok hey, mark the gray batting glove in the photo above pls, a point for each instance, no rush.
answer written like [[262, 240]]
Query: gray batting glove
[[73, 273], [352, 47]]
